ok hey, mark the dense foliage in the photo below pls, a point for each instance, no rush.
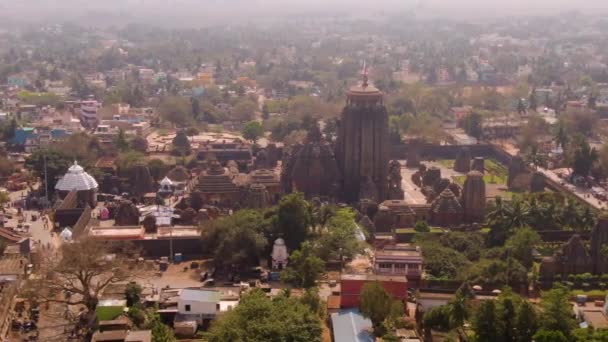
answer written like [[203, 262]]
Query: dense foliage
[[258, 318]]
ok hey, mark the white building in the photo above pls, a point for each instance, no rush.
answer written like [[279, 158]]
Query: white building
[[279, 254], [88, 113], [199, 304]]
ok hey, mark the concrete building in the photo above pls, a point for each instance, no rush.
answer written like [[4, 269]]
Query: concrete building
[[199, 304]]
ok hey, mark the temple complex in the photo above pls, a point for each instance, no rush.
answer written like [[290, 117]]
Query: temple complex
[[225, 150], [362, 147]]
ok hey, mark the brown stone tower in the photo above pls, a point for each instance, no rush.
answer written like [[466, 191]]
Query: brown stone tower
[[599, 239], [362, 147], [474, 197], [311, 168]]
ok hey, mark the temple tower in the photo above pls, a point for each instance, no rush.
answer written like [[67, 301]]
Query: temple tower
[[474, 197], [362, 147]]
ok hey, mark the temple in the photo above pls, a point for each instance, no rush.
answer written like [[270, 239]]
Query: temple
[[311, 168], [76, 179], [362, 147]]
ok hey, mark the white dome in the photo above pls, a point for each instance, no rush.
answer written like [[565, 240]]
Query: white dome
[[166, 181], [66, 234], [76, 179]]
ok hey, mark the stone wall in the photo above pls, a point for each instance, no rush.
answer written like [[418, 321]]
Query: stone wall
[[191, 248]]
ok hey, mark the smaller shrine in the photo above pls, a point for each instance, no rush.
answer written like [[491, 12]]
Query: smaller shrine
[[217, 185], [446, 210], [395, 191], [167, 187], [279, 255], [463, 160]]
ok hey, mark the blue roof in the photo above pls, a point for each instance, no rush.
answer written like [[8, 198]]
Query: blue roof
[[21, 135], [351, 326], [200, 295]]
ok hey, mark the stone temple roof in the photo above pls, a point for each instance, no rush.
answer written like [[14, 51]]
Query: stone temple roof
[[76, 179], [446, 203], [216, 179]]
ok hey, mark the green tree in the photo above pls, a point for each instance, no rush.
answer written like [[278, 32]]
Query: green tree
[[252, 131], [521, 245], [437, 317], [181, 144], [259, 318], [133, 293], [235, 240], [340, 240], [458, 309], [375, 304], [121, 141], [485, 323], [160, 332], [57, 164], [293, 220], [422, 227], [526, 323], [196, 108], [244, 110], [472, 125], [304, 267], [157, 168], [556, 313], [176, 110], [549, 336], [583, 157], [139, 144]]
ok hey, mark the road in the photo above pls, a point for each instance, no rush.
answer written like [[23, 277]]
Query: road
[[37, 231], [583, 193]]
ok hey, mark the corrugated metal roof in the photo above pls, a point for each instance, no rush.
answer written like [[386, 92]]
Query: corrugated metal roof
[[351, 326], [200, 295]]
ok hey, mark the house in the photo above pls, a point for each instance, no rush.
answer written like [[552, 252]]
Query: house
[[19, 81], [352, 285], [401, 259], [351, 326], [199, 304]]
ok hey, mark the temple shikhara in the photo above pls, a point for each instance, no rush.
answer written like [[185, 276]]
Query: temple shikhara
[[362, 147]]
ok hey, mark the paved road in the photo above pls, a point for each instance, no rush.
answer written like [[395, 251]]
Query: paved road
[[582, 193]]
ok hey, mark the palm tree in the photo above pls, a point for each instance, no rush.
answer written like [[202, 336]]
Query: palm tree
[[571, 216], [458, 310], [498, 213], [519, 214]]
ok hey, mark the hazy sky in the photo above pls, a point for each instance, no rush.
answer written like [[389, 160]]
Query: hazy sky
[[170, 10]]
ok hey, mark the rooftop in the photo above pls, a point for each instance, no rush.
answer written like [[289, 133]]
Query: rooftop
[[200, 295], [76, 179], [351, 326], [373, 277]]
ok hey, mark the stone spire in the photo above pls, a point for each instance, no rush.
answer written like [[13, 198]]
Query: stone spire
[[599, 238], [362, 147], [474, 197]]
